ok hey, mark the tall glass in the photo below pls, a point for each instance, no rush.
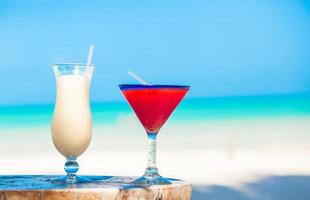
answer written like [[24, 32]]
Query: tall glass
[[153, 104], [72, 124]]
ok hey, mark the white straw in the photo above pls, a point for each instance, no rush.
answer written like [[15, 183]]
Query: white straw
[[133, 75], [90, 54]]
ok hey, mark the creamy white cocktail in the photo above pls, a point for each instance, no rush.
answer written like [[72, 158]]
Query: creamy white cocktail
[[72, 125]]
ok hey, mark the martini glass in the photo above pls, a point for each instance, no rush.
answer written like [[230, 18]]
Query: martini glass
[[153, 104]]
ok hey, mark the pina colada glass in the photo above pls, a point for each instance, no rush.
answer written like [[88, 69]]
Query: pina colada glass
[[72, 125], [153, 105]]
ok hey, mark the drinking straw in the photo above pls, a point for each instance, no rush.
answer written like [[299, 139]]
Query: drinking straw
[[90, 54], [138, 78]]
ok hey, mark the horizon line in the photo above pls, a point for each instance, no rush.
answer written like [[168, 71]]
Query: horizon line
[[186, 99]]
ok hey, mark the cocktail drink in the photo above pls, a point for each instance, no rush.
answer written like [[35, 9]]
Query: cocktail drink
[[71, 125], [153, 104]]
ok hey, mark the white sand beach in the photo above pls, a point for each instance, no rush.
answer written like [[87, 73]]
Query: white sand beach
[[226, 153]]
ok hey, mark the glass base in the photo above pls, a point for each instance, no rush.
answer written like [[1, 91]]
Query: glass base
[[71, 179], [151, 177], [71, 167]]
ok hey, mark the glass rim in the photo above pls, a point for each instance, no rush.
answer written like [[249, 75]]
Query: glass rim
[[141, 86], [75, 65]]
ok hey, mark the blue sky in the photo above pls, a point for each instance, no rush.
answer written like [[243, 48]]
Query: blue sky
[[220, 48]]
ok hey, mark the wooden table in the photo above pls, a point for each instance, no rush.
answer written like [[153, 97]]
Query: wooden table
[[40, 187]]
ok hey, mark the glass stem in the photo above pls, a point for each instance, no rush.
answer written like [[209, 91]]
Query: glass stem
[[151, 169], [71, 167]]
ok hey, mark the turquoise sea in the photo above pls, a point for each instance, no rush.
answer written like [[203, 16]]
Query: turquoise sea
[[189, 110]]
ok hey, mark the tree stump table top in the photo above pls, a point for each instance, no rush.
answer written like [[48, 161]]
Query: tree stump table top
[[41, 187]]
